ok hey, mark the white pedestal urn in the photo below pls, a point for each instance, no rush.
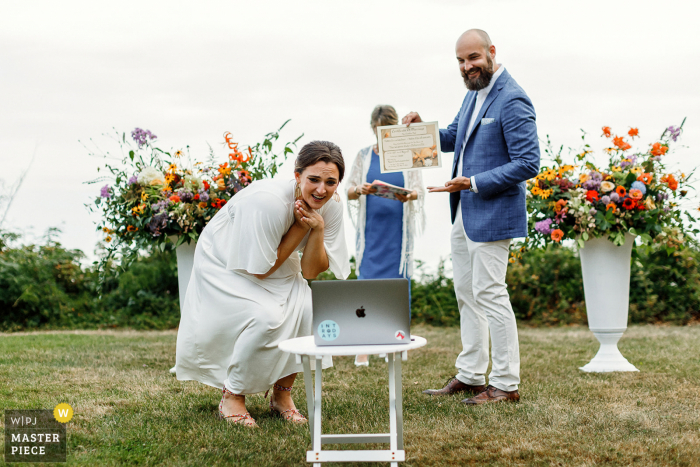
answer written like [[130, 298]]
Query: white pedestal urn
[[606, 285], [185, 262]]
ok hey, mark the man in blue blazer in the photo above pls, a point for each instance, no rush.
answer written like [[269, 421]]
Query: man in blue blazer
[[494, 138]]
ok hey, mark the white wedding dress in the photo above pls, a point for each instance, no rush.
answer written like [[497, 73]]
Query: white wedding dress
[[232, 321]]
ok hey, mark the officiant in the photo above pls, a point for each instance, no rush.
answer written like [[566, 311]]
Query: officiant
[[385, 229]]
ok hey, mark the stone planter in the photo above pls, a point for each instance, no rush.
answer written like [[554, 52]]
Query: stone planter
[[606, 285]]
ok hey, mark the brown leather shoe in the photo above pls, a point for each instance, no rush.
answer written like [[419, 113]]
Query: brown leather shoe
[[492, 394], [455, 386]]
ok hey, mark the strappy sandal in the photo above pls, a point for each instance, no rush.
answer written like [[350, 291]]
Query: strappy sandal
[[237, 418], [288, 414]]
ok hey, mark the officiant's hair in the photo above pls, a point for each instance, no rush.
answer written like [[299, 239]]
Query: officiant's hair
[[320, 151], [384, 115]]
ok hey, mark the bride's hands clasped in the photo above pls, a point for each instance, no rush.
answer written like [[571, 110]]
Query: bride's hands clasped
[[307, 217]]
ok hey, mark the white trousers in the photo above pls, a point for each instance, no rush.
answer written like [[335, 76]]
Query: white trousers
[[484, 307]]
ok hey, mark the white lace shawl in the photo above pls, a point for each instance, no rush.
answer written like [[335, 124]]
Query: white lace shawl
[[413, 212]]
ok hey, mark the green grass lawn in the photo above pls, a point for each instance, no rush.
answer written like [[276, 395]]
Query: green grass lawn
[[130, 410]]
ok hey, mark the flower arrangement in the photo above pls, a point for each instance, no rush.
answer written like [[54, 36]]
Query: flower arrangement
[[634, 193], [154, 194]]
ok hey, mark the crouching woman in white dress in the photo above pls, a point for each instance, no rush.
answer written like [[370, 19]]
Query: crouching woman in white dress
[[248, 290]]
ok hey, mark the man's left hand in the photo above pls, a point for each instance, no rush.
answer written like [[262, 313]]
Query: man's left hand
[[456, 184]]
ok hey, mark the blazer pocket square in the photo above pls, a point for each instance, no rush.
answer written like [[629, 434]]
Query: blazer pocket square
[[487, 121]]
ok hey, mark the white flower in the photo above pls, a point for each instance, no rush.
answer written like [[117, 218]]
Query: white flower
[[148, 175]]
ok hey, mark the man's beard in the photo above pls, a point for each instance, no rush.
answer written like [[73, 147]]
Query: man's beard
[[485, 75]]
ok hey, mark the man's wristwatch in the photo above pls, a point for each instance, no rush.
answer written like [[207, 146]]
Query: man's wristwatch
[[358, 194]]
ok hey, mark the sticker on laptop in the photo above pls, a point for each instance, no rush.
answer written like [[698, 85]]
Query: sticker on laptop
[[400, 336], [328, 330]]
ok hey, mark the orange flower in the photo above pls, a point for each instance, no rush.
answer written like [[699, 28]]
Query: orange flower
[[629, 203], [671, 181], [174, 198], [557, 235], [221, 184], [658, 150], [202, 205], [635, 193], [559, 205], [645, 178], [224, 169], [620, 190], [610, 206], [633, 132], [132, 228], [621, 143], [606, 132]]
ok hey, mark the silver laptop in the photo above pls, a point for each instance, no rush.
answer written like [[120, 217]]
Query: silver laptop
[[361, 312]]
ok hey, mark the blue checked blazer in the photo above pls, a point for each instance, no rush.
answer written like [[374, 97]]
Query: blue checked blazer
[[502, 152]]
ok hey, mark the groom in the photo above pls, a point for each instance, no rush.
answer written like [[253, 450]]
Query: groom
[[494, 139]]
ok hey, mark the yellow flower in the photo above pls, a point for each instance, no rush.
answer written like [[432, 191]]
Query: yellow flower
[[545, 194], [636, 170], [169, 178], [202, 205], [178, 153], [649, 203], [221, 184], [144, 196], [108, 239], [550, 174], [583, 178], [616, 168], [536, 190], [172, 167]]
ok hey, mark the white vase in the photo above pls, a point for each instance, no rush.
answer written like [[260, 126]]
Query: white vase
[[606, 285], [185, 261]]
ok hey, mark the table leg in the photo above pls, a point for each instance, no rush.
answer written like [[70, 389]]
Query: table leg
[[399, 402], [309, 393], [317, 409]]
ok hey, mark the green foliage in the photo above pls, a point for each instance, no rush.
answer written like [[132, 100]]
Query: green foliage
[[45, 287]]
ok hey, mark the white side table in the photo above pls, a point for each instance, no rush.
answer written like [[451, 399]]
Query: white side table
[[304, 348]]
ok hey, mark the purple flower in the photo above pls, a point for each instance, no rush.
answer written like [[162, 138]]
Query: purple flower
[[639, 186], [203, 196], [597, 176], [186, 196], [624, 164], [662, 196], [106, 192], [605, 199], [614, 197], [142, 136], [544, 227], [591, 184], [133, 179], [158, 223], [592, 211], [160, 205], [674, 131]]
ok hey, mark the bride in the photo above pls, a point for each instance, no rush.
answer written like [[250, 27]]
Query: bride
[[248, 290]]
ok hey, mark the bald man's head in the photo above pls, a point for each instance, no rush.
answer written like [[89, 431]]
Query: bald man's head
[[476, 56], [478, 34]]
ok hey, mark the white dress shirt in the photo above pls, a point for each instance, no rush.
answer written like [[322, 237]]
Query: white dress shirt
[[480, 98]]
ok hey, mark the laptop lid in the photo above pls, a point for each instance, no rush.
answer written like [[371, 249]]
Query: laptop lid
[[361, 312]]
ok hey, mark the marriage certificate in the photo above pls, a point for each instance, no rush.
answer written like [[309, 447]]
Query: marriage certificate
[[409, 148]]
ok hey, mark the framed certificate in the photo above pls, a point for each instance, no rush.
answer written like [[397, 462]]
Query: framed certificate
[[409, 148]]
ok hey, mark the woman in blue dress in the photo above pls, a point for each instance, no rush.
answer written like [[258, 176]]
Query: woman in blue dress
[[384, 228]]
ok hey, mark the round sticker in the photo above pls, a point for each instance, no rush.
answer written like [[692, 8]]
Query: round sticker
[[400, 336], [328, 330]]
